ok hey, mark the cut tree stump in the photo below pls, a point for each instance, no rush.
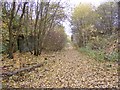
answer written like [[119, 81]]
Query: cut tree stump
[[20, 70]]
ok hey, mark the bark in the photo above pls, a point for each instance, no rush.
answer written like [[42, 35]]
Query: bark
[[41, 34], [27, 34], [21, 70], [20, 20], [35, 28], [11, 44]]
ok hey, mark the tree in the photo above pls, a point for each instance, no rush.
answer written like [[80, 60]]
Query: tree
[[11, 44], [89, 24], [83, 18], [107, 17], [31, 21]]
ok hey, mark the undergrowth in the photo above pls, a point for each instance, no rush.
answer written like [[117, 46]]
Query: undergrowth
[[99, 54]]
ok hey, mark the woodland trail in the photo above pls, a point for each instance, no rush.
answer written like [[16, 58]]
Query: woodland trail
[[70, 68]]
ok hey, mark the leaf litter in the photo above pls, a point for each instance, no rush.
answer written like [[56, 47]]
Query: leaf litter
[[66, 68]]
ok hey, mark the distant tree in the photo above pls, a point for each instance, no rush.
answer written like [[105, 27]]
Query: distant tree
[[83, 17], [107, 17]]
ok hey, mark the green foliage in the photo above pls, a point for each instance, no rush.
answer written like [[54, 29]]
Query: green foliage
[[113, 56], [99, 54], [92, 53], [19, 19], [94, 31], [84, 15], [81, 11], [4, 47]]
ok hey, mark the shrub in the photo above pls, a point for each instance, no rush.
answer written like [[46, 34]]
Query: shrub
[[112, 57], [99, 55], [55, 40]]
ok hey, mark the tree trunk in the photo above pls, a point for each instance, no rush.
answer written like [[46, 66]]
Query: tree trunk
[[11, 44], [35, 28], [21, 70]]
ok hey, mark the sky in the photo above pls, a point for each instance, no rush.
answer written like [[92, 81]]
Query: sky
[[74, 3], [94, 2]]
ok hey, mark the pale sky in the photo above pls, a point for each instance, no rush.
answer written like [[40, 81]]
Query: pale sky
[[76, 2], [94, 2]]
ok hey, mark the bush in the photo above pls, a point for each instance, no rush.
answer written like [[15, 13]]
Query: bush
[[99, 55], [92, 53], [55, 40], [113, 56], [101, 43], [4, 47]]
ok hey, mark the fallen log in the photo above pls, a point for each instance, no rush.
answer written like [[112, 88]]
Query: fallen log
[[20, 70]]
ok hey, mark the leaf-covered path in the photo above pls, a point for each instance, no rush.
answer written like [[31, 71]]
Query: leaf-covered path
[[68, 68]]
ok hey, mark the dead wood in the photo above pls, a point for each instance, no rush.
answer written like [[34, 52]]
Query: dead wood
[[21, 70]]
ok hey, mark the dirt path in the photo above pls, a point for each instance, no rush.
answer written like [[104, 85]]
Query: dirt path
[[70, 68]]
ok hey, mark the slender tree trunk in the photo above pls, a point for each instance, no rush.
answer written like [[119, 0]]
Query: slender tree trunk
[[11, 44], [35, 32], [40, 42], [20, 21]]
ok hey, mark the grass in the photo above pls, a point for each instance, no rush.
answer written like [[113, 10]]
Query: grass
[[99, 54]]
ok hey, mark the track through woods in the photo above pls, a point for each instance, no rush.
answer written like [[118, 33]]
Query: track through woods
[[36, 51], [68, 68]]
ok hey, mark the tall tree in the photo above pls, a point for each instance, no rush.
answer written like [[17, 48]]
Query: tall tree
[[11, 42]]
